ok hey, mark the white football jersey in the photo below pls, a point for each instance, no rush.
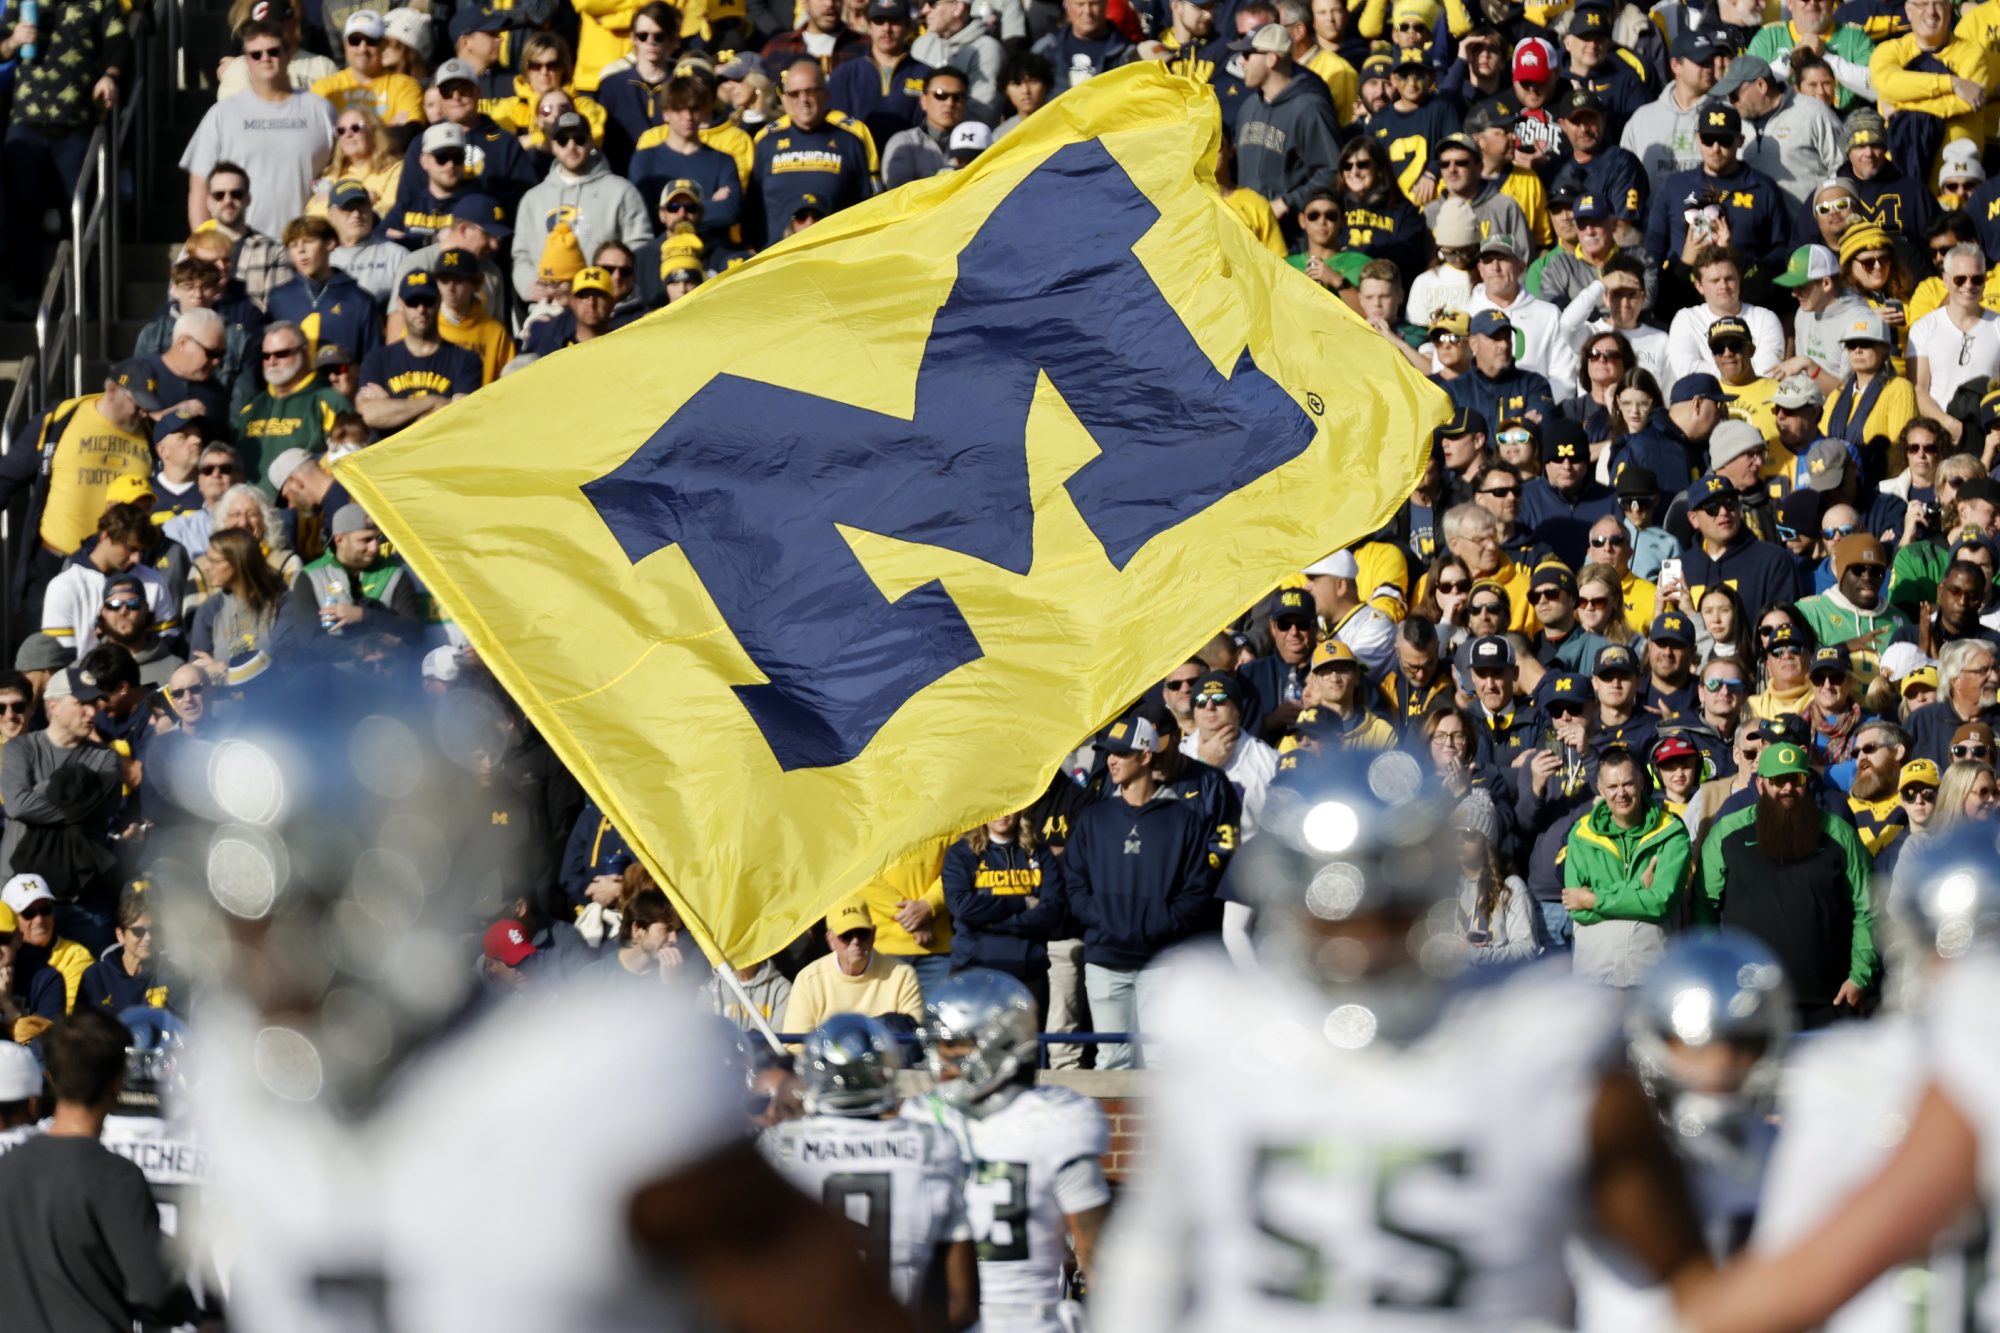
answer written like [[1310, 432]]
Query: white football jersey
[[448, 1209], [1960, 1057], [1290, 1184], [901, 1183], [1034, 1161], [175, 1165], [1846, 1104]]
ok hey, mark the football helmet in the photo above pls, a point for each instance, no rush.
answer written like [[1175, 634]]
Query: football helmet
[[1707, 1031], [1943, 904], [850, 1068], [996, 1014], [152, 1061], [1356, 890]]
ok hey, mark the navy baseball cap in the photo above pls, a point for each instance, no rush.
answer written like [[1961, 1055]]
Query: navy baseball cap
[[1691, 387], [1691, 45], [1592, 208], [1710, 488], [456, 264], [473, 18], [417, 286], [1613, 657], [181, 420], [1295, 604], [484, 212], [1219, 685], [1672, 627], [140, 380], [1565, 688], [1492, 324], [1462, 421], [350, 193], [1832, 657]]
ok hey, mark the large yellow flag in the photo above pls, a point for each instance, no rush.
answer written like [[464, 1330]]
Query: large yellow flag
[[836, 557]]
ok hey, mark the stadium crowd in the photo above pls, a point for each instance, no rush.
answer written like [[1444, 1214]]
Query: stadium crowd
[[1693, 612]]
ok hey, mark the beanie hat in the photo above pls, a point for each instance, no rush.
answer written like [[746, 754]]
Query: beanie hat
[[562, 254], [1862, 236], [1475, 814], [1456, 228]]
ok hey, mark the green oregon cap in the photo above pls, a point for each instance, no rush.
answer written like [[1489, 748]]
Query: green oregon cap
[[1779, 760]]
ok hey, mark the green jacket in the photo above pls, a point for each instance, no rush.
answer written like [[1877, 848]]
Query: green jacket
[[1611, 862], [269, 424], [1865, 634], [1857, 865]]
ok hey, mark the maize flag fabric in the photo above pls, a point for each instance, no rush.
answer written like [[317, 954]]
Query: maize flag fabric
[[835, 558]]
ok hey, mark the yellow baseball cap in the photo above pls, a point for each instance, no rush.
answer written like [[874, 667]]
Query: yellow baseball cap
[[1333, 651], [128, 490], [1918, 772], [848, 914], [9, 923]]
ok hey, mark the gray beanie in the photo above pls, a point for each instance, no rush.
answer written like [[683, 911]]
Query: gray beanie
[[1475, 814]]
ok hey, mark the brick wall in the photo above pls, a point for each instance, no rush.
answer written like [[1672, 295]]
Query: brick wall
[[1122, 1095]]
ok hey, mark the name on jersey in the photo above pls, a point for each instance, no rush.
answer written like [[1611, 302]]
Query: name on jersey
[[806, 159], [1008, 881], [163, 1160], [270, 426], [905, 1147], [419, 384]]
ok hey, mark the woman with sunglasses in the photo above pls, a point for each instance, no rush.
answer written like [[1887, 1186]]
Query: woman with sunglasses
[[1787, 658], [1442, 600], [1919, 447], [1873, 402], [1379, 221], [1968, 794], [361, 152], [1319, 255], [1872, 270], [1600, 604], [1603, 362], [546, 65], [124, 978]]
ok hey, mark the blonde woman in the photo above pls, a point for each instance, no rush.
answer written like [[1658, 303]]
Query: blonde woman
[[361, 152], [1600, 603], [546, 65]]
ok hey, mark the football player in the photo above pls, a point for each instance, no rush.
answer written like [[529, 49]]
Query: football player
[[388, 1150], [1037, 1186], [1904, 1107], [1708, 1031], [1358, 1134], [900, 1181]]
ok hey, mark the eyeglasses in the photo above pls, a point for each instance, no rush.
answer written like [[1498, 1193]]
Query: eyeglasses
[[1488, 609], [1456, 164], [1318, 215], [1870, 747], [223, 469], [1828, 207], [1453, 588], [1624, 293], [1410, 27], [1178, 685], [211, 354], [362, 39], [1866, 571], [195, 691], [124, 604], [263, 53], [648, 37], [1608, 539], [958, 96], [1969, 751], [418, 302], [1503, 492], [681, 206], [454, 157], [1639, 501], [1786, 534], [1722, 684], [284, 353], [1565, 710], [814, 91], [1919, 795], [1731, 348], [222, 196], [1836, 532], [544, 66]]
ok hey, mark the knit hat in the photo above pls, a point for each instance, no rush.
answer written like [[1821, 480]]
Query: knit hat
[[1864, 127], [1861, 236], [1475, 814], [1456, 228], [562, 254]]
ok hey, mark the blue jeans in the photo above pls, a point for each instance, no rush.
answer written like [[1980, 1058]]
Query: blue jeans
[[1558, 930], [1119, 999], [932, 968]]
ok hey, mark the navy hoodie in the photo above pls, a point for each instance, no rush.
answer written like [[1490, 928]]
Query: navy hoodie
[[1762, 573], [107, 987], [991, 922], [1139, 878]]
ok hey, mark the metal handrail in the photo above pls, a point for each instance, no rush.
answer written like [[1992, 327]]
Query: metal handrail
[[56, 333], [18, 408]]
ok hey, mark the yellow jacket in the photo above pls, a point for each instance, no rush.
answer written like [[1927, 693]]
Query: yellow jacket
[[72, 960], [1525, 189], [1340, 79], [1899, 88], [918, 877], [604, 34], [823, 990], [1894, 408], [1641, 600], [516, 114], [381, 185]]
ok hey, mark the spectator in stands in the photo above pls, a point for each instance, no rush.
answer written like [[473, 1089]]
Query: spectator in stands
[[478, 225], [462, 318], [371, 261], [355, 587], [580, 193], [495, 162], [1957, 343], [1793, 140], [823, 36], [391, 98], [547, 66], [630, 89], [424, 204], [61, 788], [124, 978], [293, 410], [361, 153], [1277, 682], [1627, 863], [303, 68], [1006, 898], [1287, 136], [672, 156], [1798, 878], [242, 612], [282, 137], [186, 370], [923, 150], [1930, 84], [322, 297], [952, 37], [1138, 879], [1968, 672], [256, 262], [178, 437], [821, 165], [880, 91], [414, 377], [69, 613], [852, 978]]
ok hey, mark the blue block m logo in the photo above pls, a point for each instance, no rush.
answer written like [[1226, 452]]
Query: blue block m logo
[[750, 479]]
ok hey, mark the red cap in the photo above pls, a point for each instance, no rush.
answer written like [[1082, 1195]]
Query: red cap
[[1673, 747], [1534, 60], [506, 941]]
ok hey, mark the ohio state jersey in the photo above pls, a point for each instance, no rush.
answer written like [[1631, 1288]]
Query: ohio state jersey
[[901, 1182], [1292, 1184]]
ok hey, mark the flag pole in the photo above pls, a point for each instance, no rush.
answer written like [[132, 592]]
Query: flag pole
[[727, 975]]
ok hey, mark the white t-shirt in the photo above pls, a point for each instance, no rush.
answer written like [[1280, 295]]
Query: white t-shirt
[[283, 145], [1954, 356], [76, 595], [1687, 342]]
